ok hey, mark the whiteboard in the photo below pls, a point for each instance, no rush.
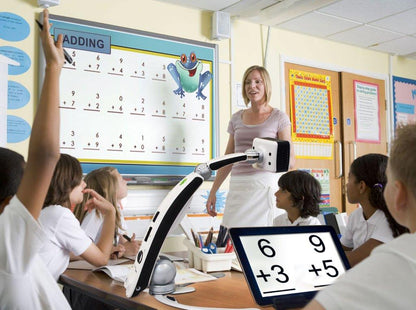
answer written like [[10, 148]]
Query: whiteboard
[[118, 105]]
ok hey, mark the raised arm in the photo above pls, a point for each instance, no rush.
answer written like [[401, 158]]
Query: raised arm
[[44, 140]]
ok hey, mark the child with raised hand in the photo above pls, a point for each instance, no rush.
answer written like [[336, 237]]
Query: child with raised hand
[[299, 195], [108, 182], [61, 226], [24, 279], [372, 224], [385, 280]]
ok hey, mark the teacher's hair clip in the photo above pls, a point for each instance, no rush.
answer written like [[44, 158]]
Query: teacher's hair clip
[[380, 186]]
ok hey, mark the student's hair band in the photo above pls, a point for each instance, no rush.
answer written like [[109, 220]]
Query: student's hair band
[[378, 185]]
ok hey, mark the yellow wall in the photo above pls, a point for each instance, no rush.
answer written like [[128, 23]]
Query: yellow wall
[[247, 47]]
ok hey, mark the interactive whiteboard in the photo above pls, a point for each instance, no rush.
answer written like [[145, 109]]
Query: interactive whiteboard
[[142, 102]]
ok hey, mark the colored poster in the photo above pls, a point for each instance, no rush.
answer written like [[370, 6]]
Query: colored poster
[[367, 113], [404, 101], [322, 175], [311, 114]]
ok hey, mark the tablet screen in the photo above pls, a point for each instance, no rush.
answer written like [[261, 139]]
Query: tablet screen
[[282, 261]]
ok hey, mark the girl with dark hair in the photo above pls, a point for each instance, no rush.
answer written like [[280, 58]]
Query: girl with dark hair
[[61, 226], [371, 224], [299, 195]]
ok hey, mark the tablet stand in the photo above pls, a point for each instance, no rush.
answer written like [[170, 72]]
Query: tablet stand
[[267, 154]]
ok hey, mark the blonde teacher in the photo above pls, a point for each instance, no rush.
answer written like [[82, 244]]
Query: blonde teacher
[[250, 200]]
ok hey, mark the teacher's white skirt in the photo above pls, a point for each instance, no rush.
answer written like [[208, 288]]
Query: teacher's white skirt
[[251, 201]]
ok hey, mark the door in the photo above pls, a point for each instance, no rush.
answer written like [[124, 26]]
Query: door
[[356, 144], [334, 165]]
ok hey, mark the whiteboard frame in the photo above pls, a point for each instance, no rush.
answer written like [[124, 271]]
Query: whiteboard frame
[[165, 174]]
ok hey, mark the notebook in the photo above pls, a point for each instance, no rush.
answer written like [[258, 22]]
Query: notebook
[[286, 266]]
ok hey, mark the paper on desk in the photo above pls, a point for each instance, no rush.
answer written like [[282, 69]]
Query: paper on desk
[[83, 264], [186, 275], [116, 272]]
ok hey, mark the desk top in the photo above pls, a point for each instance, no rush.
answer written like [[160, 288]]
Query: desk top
[[230, 291]]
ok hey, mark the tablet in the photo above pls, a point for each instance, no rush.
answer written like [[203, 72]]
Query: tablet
[[286, 266]]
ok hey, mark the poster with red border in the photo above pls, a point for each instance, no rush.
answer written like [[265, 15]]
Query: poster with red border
[[311, 114]]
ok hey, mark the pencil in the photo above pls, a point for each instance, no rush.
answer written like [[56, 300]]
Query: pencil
[[127, 238], [68, 58]]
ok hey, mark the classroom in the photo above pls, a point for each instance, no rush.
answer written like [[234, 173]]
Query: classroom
[[249, 43], [271, 47]]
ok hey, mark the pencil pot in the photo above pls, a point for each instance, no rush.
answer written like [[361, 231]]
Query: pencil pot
[[219, 261]]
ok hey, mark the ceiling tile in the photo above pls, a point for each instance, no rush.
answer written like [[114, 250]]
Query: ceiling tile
[[367, 10], [401, 46], [364, 36], [404, 22], [248, 8], [317, 24]]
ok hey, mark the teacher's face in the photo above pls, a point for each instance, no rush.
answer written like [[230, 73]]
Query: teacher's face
[[254, 87]]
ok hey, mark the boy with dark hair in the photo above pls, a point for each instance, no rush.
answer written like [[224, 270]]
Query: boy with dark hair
[[385, 280], [299, 195]]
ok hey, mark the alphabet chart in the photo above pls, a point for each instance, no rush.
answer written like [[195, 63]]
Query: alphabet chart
[[142, 102]]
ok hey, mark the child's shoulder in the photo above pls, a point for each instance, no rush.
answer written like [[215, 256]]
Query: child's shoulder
[[52, 215]]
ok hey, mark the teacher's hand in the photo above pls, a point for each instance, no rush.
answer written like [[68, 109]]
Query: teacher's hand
[[211, 201]]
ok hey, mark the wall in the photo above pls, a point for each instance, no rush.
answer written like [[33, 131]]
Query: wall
[[248, 46]]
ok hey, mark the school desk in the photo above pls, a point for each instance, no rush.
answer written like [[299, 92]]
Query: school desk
[[231, 291]]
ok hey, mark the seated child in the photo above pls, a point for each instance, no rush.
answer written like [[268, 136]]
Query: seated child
[[24, 279], [372, 224], [385, 279], [108, 182], [299, 195], [61, 226]]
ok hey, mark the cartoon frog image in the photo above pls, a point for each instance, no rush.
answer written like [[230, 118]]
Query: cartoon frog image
[[187, 75]]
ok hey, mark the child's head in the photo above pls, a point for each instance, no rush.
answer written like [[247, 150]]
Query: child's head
[[298, 189], [369, 169], [66, 185], [401, 171], [11, 172], [367, 180], [105, 181]]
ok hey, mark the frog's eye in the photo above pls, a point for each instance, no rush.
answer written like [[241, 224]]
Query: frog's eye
[[193, 57], [183, 58]]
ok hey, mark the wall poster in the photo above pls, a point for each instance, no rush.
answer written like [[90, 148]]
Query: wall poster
[[404, 100], [311, 114]]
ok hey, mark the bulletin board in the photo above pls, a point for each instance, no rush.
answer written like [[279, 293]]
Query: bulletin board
[[127, 102], [404, 101], [311, 114]]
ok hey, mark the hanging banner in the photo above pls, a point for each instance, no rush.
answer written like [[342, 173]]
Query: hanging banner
[[311, 114]]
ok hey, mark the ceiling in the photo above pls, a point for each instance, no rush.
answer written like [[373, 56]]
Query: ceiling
[[382, 25]]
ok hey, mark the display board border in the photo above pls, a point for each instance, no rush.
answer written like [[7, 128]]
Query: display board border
[[164, 173]]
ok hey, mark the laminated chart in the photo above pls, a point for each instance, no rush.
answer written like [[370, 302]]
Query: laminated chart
[[311, 114], [141, 102]]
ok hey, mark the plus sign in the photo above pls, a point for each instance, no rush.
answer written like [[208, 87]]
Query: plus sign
[[263, 275], [315, 270]]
